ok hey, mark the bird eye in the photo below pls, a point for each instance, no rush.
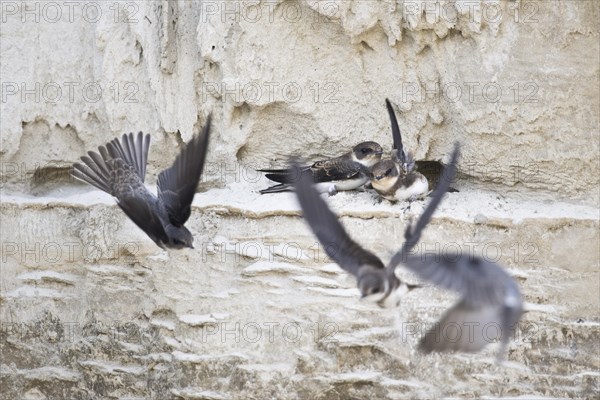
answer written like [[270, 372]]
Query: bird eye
[[389, 171], [366, 151]]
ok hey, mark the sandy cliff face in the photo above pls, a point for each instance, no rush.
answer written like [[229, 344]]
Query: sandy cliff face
[[91, 309], [499, 76]]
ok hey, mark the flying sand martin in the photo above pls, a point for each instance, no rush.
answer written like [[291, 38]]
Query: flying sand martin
[[397, 179], [346, 172], [373, 278], [490, 297], [120, 169]]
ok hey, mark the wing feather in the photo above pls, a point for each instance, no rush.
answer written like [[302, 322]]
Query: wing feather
[[177, 184], [398, 152], [331, 234]]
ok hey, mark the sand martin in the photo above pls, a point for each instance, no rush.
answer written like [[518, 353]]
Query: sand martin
[[346, 172], [397, 179], [490, 300], [119, 170], [373, 278]]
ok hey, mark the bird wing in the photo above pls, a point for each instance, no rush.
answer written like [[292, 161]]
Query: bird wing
[[177, 184], [335, 169], [477, 280], [398, 153], [132, 150], [330, 232], [135, 200], [92, 172], [490, 305], [464, 328]]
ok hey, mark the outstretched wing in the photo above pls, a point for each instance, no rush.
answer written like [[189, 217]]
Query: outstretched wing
[[490, 306], [464, 328], [132, 150], [119, 169], [177, 184], [330, 232], [477, 281], [136, 201]]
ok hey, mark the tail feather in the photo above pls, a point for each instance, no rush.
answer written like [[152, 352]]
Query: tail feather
[[275, 171], [282, 187], [285, 177]]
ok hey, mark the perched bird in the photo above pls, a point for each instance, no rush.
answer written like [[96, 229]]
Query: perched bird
[[393, 183], [346, 172], [119, 170], [373, 278], [397, 179]]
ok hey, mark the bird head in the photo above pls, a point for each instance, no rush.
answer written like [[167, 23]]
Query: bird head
[[371, 280], [367, 153], [378, 286], [384, 174], [180, 237]]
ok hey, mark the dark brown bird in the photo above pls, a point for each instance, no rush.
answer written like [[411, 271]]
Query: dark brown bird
[[346, 172], [119, 170]]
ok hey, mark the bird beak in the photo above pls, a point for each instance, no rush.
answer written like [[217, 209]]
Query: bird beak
[[191, 246], [378, 153]]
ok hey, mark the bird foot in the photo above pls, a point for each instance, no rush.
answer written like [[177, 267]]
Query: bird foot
[[332, 191]]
